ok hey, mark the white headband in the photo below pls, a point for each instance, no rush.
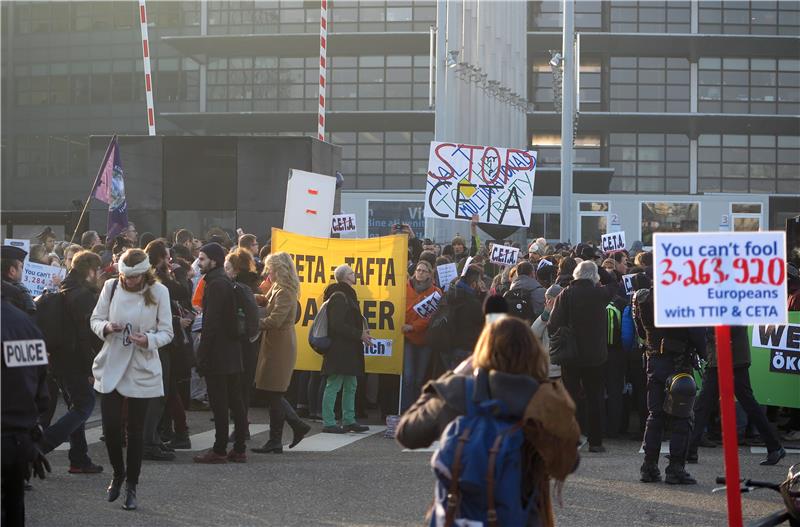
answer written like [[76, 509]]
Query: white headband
[[140, 268]]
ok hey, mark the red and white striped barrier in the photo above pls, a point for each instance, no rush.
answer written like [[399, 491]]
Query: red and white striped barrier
[[148, 79], [323, 64]]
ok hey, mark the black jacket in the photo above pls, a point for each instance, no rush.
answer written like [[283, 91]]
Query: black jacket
[[584, 305], [18, 296], [345, 327], [80, 343], [740, 347], [220, 349], [466, 307]]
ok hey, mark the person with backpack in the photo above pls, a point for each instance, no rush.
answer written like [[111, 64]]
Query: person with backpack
[[504, 432], [133, 318], [219, 357], [526, 296], [278, 354], [616, 366], [72, 348], [539, 327]]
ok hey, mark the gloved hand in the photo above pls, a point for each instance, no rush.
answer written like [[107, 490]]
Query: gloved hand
[[38, 464]]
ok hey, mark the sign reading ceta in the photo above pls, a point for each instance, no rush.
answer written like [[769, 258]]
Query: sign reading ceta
[[504, 254]]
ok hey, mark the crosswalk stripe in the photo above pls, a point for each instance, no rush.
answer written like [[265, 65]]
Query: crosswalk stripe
[[205, 440], [328, 442], [664, 448], [763, 450]]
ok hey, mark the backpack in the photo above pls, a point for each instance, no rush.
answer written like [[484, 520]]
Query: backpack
[[50, 317], [614, 325], [479, 468], [246, 313], [628, 331], [519, 304], [318, 337]]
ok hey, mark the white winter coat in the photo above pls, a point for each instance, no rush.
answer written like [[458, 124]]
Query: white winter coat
[[129, 369]]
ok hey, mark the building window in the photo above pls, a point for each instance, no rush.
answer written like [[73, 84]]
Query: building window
[[746, 216], [590, 83], [649, 162], [668, 217], [546, 14], [756, 18], [586, 151], [592, 220], [649, 84], [545, 225], [650, 17]]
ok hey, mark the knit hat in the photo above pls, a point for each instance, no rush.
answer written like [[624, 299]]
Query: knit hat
[[553, 291], [494, 307], [215, 252]]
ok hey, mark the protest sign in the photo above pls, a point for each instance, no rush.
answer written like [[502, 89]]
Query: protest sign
[[25, 245], [504, 255], [627, 279], [380, 265], [775, 356], [466, 265], [343, 223], [613, 241], [37, 277], [428, 305], [309, 203], [713, 278], [447, 273], [494, 183]]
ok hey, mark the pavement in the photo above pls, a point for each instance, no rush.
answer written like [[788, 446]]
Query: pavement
[[369, 480]]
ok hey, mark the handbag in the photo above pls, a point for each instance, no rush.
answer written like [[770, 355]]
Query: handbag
[[563, 344]]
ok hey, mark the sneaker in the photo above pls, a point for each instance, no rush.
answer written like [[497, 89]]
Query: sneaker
[[210, 457], [273, 446], [335, 429], [154, 453], [355, 427], [181, 441], [774, 456], [597, 449], [237, 457], [792, 436], [165, 447], [88, 468]]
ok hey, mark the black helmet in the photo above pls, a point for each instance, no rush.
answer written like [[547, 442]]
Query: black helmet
[[681, 390]]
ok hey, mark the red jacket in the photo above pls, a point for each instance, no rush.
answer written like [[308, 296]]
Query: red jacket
[[417, 335]]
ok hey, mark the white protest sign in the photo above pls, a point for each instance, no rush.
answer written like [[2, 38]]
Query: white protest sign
[[466, 265], [613, 241], [378, 348], [627, 279], [504, 255], [494, 183], [446, 272], [713, 278], [309, 204], [343, 223], [428, 305], [25, 245], [777, 337], [38, 277]]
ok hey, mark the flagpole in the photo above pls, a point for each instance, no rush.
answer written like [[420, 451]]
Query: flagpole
[[94, 186]]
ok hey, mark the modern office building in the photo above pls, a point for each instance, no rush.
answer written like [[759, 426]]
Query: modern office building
[[689, 111]]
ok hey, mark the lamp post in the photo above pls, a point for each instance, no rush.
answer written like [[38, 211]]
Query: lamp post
[[567, 113]]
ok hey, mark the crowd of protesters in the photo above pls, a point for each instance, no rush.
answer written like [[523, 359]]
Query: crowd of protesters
[[163, 325]]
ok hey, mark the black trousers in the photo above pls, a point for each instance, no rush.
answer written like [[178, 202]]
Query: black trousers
[[225, 391], [709, 398], [111, 409], [589, 382], [157, 405], [249, 360], [280, 412], [15, 452], [659, 367], [615, 384]]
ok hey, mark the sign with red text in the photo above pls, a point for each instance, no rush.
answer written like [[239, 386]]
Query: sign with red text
[[37, 278], [504, 255], [714, 278], [494, 183], [309, 203], [343, 223]]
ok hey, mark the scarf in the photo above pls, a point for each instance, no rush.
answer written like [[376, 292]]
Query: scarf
[[419, 287]]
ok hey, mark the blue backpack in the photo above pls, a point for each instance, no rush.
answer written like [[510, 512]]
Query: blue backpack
[[478, 467]]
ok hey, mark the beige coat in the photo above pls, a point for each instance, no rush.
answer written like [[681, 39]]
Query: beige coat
[[278, 353]]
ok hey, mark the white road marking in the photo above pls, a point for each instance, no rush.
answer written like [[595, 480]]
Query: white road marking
[[328, 442], [664, 448], [205, 440], [763, 450]]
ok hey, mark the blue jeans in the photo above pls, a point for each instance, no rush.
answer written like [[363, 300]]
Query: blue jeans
[[416, 359], [80, 396]]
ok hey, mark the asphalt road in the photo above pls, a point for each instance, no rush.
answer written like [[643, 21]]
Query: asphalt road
[[370, 481]]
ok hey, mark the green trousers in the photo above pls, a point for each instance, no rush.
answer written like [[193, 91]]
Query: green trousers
[[346, 383]]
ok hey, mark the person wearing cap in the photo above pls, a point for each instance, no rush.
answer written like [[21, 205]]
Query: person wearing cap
[[134, 320], [539, 326], [219, 357], [11, 261]]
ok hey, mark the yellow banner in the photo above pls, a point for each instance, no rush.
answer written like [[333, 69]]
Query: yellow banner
[[381, 267]]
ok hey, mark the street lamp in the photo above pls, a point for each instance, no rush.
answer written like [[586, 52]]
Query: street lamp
[[452, 59]]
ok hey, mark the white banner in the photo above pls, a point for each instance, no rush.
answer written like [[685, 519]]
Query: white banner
[[613, 241], [343, 223], [378, 348], [494, 183], [38, 277], [428, 305], [504, 255], [447, 273], [777, 337], [715, 278]]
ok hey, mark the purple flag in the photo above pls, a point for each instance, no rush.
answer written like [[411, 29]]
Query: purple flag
[[110, 189]]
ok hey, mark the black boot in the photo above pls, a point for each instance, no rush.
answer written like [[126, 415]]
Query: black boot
[[299, 431], [649, 472], [273, 446], [114, 487], [130, 497], [675, 474], [181, 441]]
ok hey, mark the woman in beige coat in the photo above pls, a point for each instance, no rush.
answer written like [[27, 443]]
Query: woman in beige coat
[[278, 354]]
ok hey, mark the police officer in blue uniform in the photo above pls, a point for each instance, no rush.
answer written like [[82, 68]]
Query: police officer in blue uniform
[[24, 398], [670, 386], [12, 259]]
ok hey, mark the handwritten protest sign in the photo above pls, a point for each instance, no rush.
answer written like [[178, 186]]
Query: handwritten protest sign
[[613, 241], [504, 255], [627, 280], [38, 277], [712, 278], [428, 305], [494, 183], [446, 272], [343, 223]]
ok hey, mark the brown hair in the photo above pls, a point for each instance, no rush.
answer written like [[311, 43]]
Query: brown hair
[[509, 345], [157, 251], [83, 262], [246, 240], [241, 260], [132, 258]]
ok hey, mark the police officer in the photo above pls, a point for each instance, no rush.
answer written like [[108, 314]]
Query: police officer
[[670, 386], [24, 398], [11, 262]]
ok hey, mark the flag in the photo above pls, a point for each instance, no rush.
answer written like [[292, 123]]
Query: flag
[[110, 189]]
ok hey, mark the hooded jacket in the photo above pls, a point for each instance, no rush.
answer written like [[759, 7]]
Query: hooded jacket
[[531, 284], [220, 349], [345, 327], [584, 306], [80, 344]]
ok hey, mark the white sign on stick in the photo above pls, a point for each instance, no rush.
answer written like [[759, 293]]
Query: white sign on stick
[[309, 204], [447, 272], [343, 223], [613, 241], [37, 277], [714, 278], [504, 255], [428, 305], [466, 265], [494, 183], [627, 279]]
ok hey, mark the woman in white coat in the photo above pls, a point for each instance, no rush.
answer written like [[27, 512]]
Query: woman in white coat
[[133, 318]]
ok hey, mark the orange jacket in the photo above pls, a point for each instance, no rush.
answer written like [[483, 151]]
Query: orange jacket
[[420, 325]]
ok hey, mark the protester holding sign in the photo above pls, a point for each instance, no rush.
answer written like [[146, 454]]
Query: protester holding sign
[[417, 355]]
